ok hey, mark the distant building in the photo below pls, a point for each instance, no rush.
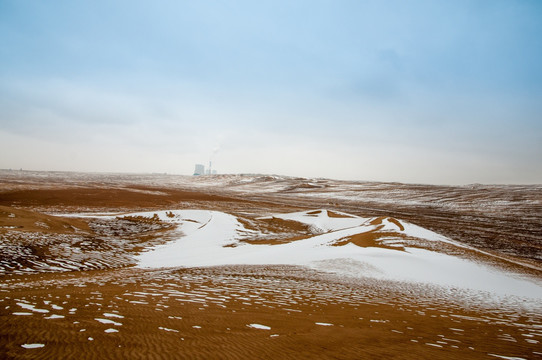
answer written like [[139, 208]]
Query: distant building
[[200, 170]]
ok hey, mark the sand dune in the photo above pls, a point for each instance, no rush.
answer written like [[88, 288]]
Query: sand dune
[[238, 267], [24, 220]]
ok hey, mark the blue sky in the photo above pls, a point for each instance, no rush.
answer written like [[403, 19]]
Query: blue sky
[[412, 91]]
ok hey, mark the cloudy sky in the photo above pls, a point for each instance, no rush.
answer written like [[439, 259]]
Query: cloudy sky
[[446, 92]]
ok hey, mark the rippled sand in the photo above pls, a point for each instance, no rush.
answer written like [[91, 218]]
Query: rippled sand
[[69, 287]]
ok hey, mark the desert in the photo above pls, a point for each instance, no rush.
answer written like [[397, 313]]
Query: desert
[[254, 266], [271, 179]]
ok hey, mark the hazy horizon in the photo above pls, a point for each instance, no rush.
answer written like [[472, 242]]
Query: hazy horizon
[[280, 176], [394, 91]]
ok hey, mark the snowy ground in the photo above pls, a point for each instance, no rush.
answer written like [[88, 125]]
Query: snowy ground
[[212, 238], [95, 265]]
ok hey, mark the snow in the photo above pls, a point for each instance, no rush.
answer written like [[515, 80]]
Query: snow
[[31, 307], [323, 324], [166, 329], [259, 326], [319, 221], [113, 315], [32, 346], [55, 316], [507, 357], [203, 237], [107, 321], [205, 232], [111, 331]]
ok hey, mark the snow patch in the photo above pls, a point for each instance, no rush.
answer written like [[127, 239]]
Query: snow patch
[[107, 321], [507, 357], [55, 316], [166, 329], [113, 315], [32, 307], [204, 232], [259, 326]]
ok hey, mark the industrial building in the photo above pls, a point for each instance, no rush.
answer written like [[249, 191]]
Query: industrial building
[[200, 170]]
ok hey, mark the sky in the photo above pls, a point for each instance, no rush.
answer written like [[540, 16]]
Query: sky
[[441, 92]]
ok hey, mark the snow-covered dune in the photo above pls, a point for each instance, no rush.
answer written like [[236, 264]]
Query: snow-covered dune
[[340, 243]]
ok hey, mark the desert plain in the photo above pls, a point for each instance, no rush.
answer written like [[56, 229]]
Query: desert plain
[[266, 267]]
